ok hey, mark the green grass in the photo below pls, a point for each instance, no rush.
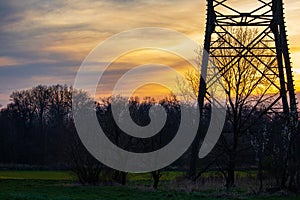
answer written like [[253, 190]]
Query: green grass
[[166, 176], [37, 175], [63, 190], [60, 185], [241, 174], [68, 175], [60, 190]]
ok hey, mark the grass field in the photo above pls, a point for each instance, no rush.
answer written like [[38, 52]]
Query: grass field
[[61, 185], [68, 175], [37, 175]]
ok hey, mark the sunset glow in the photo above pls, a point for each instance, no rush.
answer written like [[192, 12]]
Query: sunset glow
[[44, 42]]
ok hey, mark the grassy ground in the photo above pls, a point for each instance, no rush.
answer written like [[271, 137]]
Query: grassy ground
[[67, 175], [57, 185], [37, 175]]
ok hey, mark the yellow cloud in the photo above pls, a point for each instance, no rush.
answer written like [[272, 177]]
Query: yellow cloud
[[65, 31], [142, 57]]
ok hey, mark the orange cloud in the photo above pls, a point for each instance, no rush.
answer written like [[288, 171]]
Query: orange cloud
[[66, 31], [7, 61]]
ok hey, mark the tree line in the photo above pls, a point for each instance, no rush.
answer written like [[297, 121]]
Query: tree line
[[37, 126], [37, 129]]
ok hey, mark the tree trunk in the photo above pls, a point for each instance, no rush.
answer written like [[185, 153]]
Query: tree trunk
[[194, 156], [123, 178], [260, 174], [155, 175], [230, 178], [230, 172]]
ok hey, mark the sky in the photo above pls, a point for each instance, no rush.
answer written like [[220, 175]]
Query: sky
[[45, 41]]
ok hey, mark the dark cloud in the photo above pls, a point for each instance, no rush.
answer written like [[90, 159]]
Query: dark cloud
[[52, 37]]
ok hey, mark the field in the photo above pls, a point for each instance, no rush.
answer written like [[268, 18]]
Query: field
[[61, 185]]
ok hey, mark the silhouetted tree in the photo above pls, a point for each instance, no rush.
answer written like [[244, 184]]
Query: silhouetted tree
[[247, 83]]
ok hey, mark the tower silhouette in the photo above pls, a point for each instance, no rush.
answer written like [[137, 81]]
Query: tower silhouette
[[268, 47], [271, 38]]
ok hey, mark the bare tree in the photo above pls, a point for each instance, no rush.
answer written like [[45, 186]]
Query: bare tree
[[82, 163], [248, 85]]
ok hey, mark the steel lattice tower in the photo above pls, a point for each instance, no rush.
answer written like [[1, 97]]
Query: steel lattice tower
[[269, 48], [270, 42]]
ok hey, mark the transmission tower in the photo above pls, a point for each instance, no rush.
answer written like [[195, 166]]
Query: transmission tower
[[269, 42]]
